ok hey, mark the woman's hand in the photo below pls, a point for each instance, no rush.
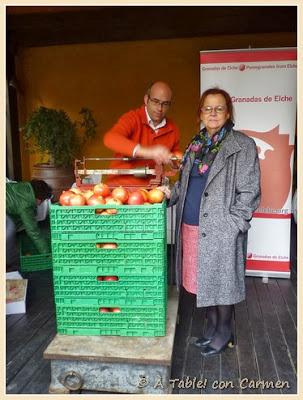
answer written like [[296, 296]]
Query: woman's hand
[[165, 190]]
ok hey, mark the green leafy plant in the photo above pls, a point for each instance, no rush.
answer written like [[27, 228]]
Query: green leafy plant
[[53, 134]]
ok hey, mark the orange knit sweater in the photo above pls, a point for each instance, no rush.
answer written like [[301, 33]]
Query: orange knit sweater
[[132, 129]]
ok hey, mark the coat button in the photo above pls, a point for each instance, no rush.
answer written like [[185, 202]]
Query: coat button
[[203, 234], [206, 194], [205, 215]]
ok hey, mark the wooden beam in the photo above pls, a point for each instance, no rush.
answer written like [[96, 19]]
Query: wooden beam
[[105, 24]]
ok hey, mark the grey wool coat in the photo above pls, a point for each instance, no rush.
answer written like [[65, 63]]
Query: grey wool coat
[[231, 195]]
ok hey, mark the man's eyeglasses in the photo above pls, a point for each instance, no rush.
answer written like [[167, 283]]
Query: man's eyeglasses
[[217, 109], [157, 102]]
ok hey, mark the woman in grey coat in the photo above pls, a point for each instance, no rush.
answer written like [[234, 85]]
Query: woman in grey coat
[[216, 195]]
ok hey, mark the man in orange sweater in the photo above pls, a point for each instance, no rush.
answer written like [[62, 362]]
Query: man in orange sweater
[[144, 133]]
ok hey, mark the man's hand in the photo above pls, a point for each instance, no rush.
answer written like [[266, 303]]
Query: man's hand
[[160, 154]]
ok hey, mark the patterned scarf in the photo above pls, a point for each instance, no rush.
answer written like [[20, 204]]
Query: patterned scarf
[[204, 148]]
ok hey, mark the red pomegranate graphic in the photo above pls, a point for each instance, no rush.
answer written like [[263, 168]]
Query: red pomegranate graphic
[[274, 155], [242, 67]]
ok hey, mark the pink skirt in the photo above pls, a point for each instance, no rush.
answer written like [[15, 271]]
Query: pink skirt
[[190, 257]]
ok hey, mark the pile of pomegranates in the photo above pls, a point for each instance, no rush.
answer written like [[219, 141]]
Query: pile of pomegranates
[[102, 194]]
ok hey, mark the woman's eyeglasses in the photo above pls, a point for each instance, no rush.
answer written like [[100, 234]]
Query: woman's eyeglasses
[[217, 109]]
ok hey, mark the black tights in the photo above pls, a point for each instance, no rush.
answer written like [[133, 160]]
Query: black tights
[[218, 324], [211, 315]]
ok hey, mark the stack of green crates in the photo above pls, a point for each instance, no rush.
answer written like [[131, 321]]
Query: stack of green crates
[[110, 291], [30, 259]]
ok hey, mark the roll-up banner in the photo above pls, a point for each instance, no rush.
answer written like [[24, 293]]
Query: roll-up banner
[[263, 85]]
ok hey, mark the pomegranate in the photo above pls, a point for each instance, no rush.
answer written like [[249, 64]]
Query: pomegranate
[[155, 196], [178, 154], [110, 278], [95, 199], [144, 193], [135, 198], [76, 190], [111, 200], [102, 189], [65, 196], [120, 193], [108, 245], [87, 194], [115, 309], [77, 200]]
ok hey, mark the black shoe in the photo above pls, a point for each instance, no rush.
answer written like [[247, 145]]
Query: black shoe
[[202, 342], [210, 351]]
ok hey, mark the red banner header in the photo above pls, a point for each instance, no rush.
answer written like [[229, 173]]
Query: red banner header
[[247, 56]]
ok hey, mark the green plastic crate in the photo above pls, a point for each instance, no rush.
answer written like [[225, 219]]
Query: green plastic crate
[[131, 331], [155, 270], [130, 321], [86, 222], [147, 253], [78, 289], [30, 259], [111, 301], [98, 236]]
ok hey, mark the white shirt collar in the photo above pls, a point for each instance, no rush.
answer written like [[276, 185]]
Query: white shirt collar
[[152, 125]]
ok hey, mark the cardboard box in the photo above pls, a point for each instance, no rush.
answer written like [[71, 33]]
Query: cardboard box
[[16, 289]]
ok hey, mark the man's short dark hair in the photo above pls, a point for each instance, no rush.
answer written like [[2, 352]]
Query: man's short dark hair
[[41, 189]]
